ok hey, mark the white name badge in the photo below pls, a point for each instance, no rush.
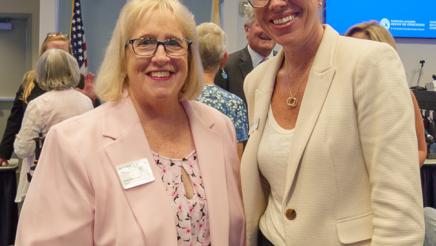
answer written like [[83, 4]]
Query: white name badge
[[135, 173]]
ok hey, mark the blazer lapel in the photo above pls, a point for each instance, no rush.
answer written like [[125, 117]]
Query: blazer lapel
[[148, 201], [212, 168], [245, 65], [320, 79]]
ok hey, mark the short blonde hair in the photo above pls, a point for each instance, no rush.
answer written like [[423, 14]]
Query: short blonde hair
[[56, 69], [212, 45], [373, 31], [112, 76]]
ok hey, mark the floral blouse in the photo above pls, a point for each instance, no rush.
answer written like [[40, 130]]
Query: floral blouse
[[228, 104], [190, 214]]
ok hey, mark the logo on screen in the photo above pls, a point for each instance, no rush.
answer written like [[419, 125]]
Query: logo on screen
[[385, 23]]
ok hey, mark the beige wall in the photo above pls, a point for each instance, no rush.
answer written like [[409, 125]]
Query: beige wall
[[25, 7], [19, 8]]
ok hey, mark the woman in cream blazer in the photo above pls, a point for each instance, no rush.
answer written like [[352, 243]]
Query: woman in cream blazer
[[351, 176]]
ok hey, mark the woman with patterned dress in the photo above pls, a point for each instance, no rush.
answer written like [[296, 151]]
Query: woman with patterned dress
[[213, 55]]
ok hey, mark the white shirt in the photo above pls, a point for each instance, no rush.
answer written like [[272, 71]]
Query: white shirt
[[256, 58], [273, 156], [42, 113]]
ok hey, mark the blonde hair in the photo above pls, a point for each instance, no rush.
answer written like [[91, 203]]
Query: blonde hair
[[112, 77], [212, 45], [28, 81], [373, 31], [56, 69]]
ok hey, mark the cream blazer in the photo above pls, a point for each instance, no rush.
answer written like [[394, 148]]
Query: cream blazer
[[76, 197], [352, 175]]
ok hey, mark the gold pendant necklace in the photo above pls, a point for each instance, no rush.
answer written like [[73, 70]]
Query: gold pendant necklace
[[292, 100]]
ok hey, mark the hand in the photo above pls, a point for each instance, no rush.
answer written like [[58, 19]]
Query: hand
[[3, 162], [88, 88]]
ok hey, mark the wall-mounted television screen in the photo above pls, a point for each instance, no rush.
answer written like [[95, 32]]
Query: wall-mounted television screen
[[404, 19]]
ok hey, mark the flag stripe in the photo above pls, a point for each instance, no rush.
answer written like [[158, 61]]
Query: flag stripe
[[77, 34]]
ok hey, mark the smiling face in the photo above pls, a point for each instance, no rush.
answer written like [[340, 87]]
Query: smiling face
[[158, 78], [291, 22], [258, 40]]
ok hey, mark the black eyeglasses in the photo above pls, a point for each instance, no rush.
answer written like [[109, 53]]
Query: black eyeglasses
[[258, 3], [147, 47]]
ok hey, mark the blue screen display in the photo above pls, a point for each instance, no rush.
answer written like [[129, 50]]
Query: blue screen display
[[411, 19]]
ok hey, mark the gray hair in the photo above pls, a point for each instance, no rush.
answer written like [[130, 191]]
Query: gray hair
[[212, 43], [56, 69], [248, 14]]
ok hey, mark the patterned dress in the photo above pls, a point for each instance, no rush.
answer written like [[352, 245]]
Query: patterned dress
[[190, 214], [228, 104]]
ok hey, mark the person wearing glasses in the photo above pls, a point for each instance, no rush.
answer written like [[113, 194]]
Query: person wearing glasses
[[331, 157], [151, 166], [27, 91]]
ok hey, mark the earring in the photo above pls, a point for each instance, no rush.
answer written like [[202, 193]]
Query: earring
[[224, 74]]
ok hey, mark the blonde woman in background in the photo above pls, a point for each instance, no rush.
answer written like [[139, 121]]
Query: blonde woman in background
[[28, 91], [373, 31], [212, 45]]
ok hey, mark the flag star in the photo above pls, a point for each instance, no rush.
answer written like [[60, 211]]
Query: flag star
[[81, 58], [77, 11]]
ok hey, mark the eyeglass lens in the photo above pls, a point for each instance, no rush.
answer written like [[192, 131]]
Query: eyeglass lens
[[258, 3], [148, 46]]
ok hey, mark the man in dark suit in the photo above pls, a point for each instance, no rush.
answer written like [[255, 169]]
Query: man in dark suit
[[241, 62]]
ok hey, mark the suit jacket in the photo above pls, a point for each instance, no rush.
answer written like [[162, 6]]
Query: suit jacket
[[352, 173], [236, 68], [76, 198]]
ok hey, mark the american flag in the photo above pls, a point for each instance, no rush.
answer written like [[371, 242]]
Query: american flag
[[77, 34]]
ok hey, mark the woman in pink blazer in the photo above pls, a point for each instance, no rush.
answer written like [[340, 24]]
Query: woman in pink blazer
[[150, 166]]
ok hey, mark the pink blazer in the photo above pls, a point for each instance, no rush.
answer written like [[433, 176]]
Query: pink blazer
[[76, 197]]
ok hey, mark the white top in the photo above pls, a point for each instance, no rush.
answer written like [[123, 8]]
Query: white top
[[273, 156], [42, 113]]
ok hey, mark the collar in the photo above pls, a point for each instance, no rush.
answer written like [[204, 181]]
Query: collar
[[256, 58]]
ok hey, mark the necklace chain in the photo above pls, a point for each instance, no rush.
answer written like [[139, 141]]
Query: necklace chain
[[292, 100]]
